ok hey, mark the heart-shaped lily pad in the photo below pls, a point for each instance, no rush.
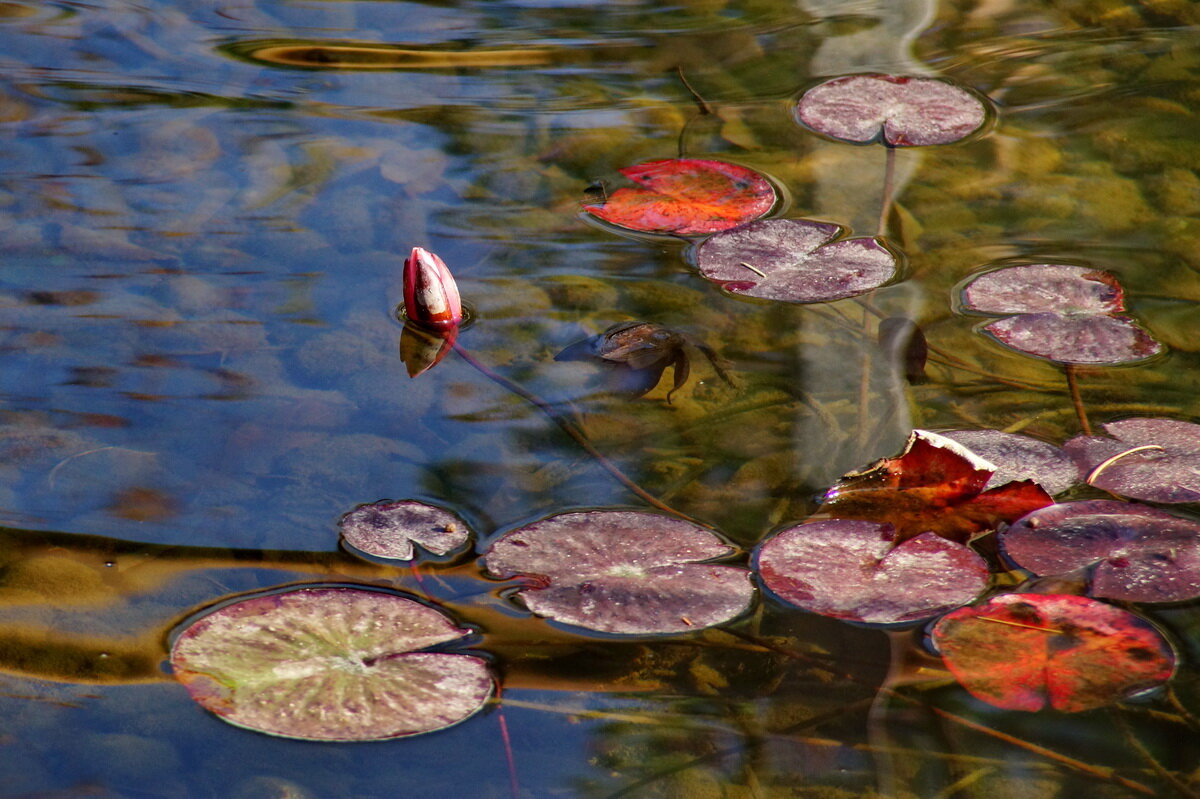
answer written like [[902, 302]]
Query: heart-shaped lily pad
[[1018, 457], [330, 663], [795, 260], [856, 570], [686, 197], [1132, 552], [1157, 460], [622, 572], [1071, 653], [389, 529], [901, 111], [1086, 339]]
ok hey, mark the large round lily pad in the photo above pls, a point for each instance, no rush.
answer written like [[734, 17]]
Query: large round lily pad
[[389, 529], [1070, 653], [795, 260], [1153, 459], [330, 663], [856, 570], [622, 572]]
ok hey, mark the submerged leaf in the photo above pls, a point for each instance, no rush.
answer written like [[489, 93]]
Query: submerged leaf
[[1071, 653], [686, 197], [794, 260], [902, 111], [389, 529], [622, 572], [856, 570], [1154, 459], [330, 663], [1131, 552]]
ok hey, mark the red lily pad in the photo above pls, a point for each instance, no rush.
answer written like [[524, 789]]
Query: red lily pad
[[1086, 339], [622, 572], [1045, 288], [936, 485], [858, 571], [330, 663], [1131, 552], [795, 260], [1070, 653], [902, 111], [389, 529], [1156, 460], [686, 197], [1018, 457]]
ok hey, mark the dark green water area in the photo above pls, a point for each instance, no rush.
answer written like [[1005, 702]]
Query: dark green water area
[[204, 209]]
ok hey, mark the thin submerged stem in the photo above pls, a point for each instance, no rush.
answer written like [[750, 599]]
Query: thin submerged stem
[[1077, 398], [889, 180]]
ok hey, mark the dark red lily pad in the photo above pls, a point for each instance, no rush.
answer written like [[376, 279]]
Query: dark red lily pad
[[1085, 339], [858, 571], [1045, 288], [686, 197], [1070, 653], [330, 663], [899, 110], [795, 260], [1131, 552], [936, 485], [389, 529], [1156, 460], [622, 572], [1018, 457]]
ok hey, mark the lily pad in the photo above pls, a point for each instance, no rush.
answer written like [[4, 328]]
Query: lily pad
[[1070, 653], [901, 111], [858, 571], [1045, 288], [622, 572], [389, 529], [1018, 457], [330, 663], [1131, 552], [1152, 459], [795, 260], [686, 197], [1086, 339]]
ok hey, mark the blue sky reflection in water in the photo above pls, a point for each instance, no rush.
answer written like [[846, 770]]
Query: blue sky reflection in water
[[203, 213]]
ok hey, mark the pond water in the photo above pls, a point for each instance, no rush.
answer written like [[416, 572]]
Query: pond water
[[204, 209]]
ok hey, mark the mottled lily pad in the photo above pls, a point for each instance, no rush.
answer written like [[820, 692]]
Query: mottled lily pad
[[622, 572], [1045, 288], [1152, 459], [795, 260], [389, 529], [1018, 457], [856, 570], [330, 663], [686, 197], [1070, 653], [899, 110], [1130, 552], [1086, 339]]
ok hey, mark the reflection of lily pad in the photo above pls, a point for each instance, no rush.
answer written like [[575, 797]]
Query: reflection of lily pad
[[623, 572], [389, 529], [794, 260], [1071, 653], [330, 663]]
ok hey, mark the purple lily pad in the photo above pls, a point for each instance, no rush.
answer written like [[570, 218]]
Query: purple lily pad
[[1133, 552], [389, 529], [902, 111], [1018, 457], [330, 663], [1156, 460], [854, 570], [1085, 339], [1045, 288], [794, 260], [622, 572]]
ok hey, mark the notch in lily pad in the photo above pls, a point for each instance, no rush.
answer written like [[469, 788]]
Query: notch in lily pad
[[331, 663], [623, 572], [390, 529]]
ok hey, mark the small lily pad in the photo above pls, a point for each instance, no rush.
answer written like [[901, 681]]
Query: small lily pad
[[858, 571], [622, 572], [1018, 457], [1086, 339], [1131, 552], [686, 197], [795, 260], [330, 663], [389, 529], [1152, 459], [1045, 288], [901, 111], [1070, 653]]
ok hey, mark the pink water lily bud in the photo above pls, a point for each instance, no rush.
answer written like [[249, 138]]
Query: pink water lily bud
[[430, 294]]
